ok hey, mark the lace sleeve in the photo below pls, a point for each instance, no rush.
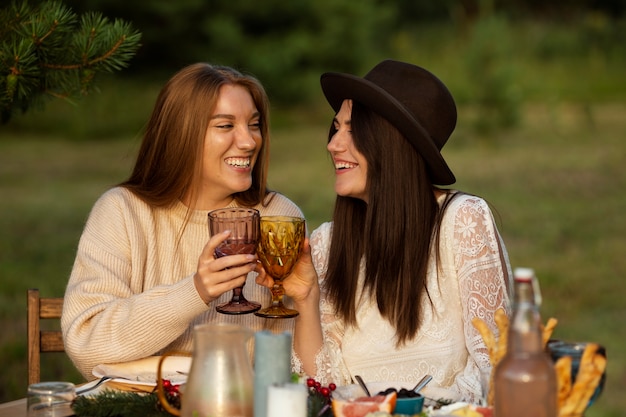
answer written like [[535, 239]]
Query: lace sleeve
[[483, 270], [329, 363]]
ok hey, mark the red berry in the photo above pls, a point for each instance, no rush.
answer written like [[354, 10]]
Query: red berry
[[325, 391], [317, 385], [332, 386], [310, 382]]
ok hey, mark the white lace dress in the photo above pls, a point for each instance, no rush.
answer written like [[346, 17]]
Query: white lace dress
[[472, 283]]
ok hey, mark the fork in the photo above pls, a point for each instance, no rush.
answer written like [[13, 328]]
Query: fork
[[94, 386]]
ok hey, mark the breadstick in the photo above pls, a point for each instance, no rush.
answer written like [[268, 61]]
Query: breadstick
[[488, 337], [592, 366], [495, 348], [502, 321], [563, 368], [548, 329]]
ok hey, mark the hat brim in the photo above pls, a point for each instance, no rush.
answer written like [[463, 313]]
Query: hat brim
[[338, 86]]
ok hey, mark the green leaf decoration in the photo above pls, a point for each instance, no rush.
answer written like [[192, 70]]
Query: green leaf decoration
[[111, 403]]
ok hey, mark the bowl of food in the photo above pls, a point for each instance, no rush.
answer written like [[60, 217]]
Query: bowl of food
[[407, 401], [433, 394], [409, 405], [575, 350]]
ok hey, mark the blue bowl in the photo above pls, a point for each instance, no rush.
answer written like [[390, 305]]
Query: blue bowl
[[410, 406]]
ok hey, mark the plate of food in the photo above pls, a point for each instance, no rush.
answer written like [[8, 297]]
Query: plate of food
[[438, 401], [140, 375], [461, 409], [434, 396]]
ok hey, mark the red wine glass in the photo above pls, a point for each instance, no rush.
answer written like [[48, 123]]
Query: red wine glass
[[243, 224]]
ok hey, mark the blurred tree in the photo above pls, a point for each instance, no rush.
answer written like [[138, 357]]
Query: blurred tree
[[492, 73], [412, 11], [48, 51], [289, 44], [286, 44]]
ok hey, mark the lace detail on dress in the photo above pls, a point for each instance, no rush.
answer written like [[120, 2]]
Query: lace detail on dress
[[472, 282]]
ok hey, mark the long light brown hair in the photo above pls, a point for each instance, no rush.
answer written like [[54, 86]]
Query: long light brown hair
[[169, 162], [392, 232]]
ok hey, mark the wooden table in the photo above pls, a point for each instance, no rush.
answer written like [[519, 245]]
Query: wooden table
[[15, 408]]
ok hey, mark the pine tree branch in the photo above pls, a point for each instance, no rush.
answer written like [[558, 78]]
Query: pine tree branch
[[41, 40], [118, 404], [107, 55], [46, 51], [110, 53]]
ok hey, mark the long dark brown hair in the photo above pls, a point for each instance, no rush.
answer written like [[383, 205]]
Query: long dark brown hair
[[392, 232], [169, 162]]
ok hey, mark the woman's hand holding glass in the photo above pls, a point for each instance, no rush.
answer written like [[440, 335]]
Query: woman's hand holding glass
[[215, 276], [301, 284]]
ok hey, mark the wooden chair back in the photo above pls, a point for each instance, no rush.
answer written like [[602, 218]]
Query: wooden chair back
[[41, 340]]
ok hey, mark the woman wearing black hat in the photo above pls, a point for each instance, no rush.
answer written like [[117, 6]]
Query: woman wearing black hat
[[405, 265]]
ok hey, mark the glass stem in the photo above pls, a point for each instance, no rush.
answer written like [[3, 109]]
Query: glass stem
[[277, 294], [237, 294]]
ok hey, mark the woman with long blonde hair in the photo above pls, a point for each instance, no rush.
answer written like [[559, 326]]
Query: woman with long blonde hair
[[145, 272]]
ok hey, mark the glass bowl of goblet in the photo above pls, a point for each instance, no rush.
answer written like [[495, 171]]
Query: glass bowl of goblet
[[280, 245], [243, 224]]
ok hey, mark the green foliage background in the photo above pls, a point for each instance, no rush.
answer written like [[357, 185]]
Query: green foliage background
[[541, 97], [285, 43]]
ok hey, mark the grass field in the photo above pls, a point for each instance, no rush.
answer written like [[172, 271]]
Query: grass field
[[556, 181]]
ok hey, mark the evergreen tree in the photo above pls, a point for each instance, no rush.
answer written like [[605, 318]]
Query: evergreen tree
[[47, 51]]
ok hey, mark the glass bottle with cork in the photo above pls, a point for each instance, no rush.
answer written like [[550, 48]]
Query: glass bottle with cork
[[525, 379]]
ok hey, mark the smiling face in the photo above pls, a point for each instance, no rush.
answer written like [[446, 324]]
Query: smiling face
[[350, 164], [231, 146]]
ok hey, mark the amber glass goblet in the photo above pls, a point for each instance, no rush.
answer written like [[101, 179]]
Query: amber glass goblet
[[243, 224], [280, 245]]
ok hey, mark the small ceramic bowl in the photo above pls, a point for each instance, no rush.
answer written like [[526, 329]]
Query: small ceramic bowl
[[409, 406], [559, 348]]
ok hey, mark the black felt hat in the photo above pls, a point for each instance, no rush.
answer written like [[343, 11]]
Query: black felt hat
[[411, 98]]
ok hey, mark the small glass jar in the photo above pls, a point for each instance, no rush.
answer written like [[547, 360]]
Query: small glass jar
[[50, 399]]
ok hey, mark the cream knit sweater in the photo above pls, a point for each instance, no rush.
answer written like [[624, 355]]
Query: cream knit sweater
[[131, 292]]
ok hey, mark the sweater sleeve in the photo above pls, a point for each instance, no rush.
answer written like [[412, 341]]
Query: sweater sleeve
[[112, 313]]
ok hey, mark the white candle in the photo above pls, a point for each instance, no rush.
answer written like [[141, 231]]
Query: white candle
[[272, 365], [288, 400]]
